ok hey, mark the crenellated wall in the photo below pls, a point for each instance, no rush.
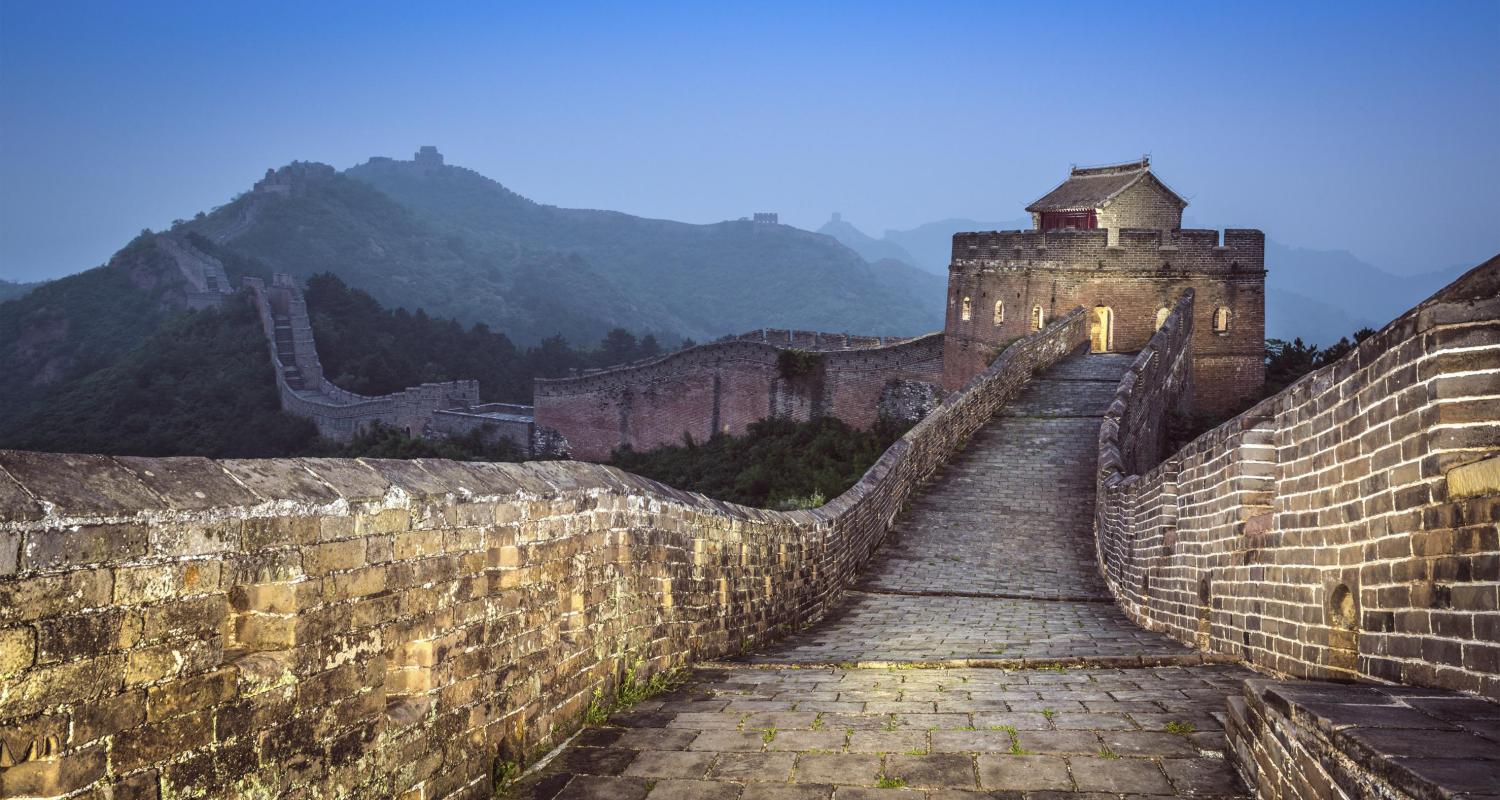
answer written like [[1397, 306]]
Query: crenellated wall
[[187, 628], [725, 386], [1348, 527]]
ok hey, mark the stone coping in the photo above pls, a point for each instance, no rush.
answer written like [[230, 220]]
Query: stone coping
[[1425, 743]]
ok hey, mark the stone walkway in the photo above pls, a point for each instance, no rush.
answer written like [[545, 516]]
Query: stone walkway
[[979, 657]]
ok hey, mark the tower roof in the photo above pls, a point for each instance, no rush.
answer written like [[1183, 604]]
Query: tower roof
[[1095, 187]]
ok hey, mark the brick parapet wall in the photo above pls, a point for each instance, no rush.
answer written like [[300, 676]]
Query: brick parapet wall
[[372, 628], [814, 340], [1319, 534], [723, 387], [1155, 389]]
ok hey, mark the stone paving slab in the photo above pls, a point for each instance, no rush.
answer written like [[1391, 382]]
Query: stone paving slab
[[886, 627], [932, 733], [1012, 515]]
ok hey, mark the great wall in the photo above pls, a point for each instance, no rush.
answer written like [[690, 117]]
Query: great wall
[[1034, 592]]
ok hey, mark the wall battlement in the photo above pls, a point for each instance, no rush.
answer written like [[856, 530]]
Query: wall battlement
[[1192, 250]]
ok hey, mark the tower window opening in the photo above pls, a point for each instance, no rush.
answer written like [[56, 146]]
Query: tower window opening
[[1038, 318], [1221, 319], [968, 309], [999, 312]]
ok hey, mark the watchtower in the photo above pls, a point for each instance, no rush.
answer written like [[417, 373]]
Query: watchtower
[[1110, 239]]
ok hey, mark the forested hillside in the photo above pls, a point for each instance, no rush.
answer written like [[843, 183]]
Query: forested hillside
[[66, 329], [202, 383]]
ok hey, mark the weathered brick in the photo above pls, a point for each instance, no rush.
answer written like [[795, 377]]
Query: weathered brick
[[17, 649], [32, 598], [91, 544], [325, 558]]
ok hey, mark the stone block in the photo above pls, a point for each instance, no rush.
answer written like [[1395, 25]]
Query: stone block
[[109, 715], [409, 477], [88, 634], [80, 485], [189, 483], [17, 650], [52, 773], [190, 694], [352, 479], [27, 599], [284, 479], [43, 687], [322, 559], [48, 550], [158, 742], [16, 505]]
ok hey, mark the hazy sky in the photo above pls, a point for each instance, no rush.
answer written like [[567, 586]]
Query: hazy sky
[[1366, 126]]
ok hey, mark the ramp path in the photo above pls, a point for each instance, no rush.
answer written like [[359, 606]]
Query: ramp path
[[980, 656]]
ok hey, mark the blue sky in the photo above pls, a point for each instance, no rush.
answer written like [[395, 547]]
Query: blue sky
[[1363, 126]]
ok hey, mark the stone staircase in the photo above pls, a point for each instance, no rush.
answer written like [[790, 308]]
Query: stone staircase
[[980, 653], [286, 351]]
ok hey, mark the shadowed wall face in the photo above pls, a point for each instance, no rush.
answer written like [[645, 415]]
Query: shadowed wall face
[[1348, 527]]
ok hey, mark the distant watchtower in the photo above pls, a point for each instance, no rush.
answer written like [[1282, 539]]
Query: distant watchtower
[[1110, 239], [428, 156], [766, 218]]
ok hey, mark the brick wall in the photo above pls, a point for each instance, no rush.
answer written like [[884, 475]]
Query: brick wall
[[725, 386], [1348, 527], [366, 628], [1147, 204], [1144, 273]]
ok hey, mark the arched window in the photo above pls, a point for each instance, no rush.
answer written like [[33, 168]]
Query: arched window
[[1221, 319], [968, 309], [1038, 318], [1161, 316], [999, 312]]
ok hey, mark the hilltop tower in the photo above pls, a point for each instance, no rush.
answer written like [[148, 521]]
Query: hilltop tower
[[1111, 240], [428, 156]]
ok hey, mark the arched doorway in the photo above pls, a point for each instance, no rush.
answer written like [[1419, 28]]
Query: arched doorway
[[1101, 330]]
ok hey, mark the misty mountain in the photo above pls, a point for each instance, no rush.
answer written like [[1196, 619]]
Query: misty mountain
[[10, 290], [701, 281], [931, 245], [868, 247], [1293, 316], [1337, 283], [67, 328]]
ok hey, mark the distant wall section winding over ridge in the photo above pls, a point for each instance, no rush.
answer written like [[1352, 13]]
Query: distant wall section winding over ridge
[[724, 386], [1348, 527], [339, 414], [370, 628]]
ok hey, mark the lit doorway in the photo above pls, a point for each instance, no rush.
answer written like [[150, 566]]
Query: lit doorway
[[1102, 330]]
